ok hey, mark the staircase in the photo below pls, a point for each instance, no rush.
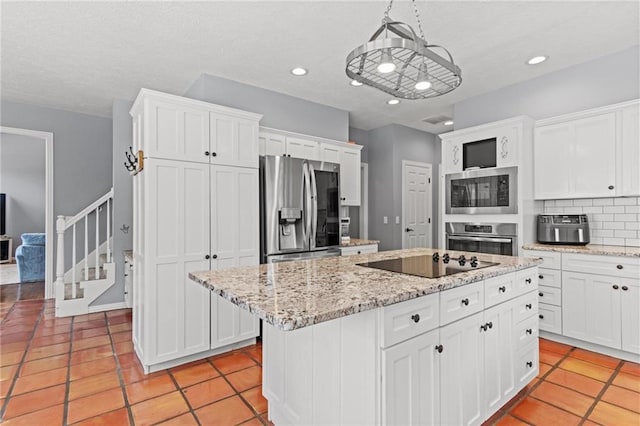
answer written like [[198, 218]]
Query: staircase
[[89, 277]]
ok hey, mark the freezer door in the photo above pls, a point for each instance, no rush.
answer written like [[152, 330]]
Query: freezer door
[[285, 226]]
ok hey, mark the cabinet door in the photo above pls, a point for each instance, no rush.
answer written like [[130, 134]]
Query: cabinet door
[[230, 323], [177, 132], [272, 144], [451, 156], [303, 148], [630, 172], [507, 148], [461, 363], [350, 177], [552, 151], [630, 312], [500, 343], [411, 382], [591, 308], [234, 142], [176, 309], [594, 157], [330, 153]]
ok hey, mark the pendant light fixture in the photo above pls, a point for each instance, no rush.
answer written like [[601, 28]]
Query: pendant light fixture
[[402, 63]]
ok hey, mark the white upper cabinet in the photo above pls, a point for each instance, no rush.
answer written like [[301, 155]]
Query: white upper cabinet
[[233, 141], [330, 153], [452, 155], [507, 147], [303, 148], [272, 144], [350, 176], [589, 154], [177, 132]]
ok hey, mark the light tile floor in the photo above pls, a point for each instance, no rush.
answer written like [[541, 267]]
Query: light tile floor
[[82, 370]]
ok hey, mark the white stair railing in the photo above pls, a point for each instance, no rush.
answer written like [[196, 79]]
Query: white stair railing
[[63, 224]]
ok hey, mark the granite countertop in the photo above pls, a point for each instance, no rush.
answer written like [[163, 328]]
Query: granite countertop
[[291, 295], [358, 242], [597, 249]]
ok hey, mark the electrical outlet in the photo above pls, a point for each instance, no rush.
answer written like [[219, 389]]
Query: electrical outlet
[[397, 220], [385, 219]]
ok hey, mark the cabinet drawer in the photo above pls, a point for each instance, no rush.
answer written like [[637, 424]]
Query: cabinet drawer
[[603, 265], [526, 332], [526, 280], [550, 277], [551, 259], [550, 295], [405, 320], [526, 367], [461, 301], [369, 248], [550, 318], [499, 289], [526, 306]]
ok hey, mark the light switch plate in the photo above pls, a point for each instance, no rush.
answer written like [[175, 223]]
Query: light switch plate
[[385, 219], [397, 220]]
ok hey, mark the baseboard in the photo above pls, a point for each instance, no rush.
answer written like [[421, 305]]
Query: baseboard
[[108, 307], [617, 353]]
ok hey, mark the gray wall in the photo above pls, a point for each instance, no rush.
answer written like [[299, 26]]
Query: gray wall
[[279, 111], [386, 148], [123, 198], [603, 81], [22, 178], [82, 156]]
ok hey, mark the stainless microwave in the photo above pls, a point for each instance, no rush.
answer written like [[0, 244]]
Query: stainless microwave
[[482, 191]]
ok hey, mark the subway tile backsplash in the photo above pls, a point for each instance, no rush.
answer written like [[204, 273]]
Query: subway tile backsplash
[[613, 221]]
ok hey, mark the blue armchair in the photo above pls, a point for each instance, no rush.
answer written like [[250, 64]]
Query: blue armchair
[[30, 257]]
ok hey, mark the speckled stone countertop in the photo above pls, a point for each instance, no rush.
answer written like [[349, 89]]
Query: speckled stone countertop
[[358, 242], [291, 295], [588, 249], [128, 255]]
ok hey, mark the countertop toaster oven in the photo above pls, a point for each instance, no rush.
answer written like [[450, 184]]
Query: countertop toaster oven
[[563, 229]]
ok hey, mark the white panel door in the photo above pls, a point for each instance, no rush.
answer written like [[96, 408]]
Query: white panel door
[[177, 132], [234, 142], [591, 308], [411, 382], [416, 205], [272, 144], [303, 148], [630, 156], [350, 181], [500, 343], [552, 165], [630, 314], [594, 157], [461, 363], [177, 243]]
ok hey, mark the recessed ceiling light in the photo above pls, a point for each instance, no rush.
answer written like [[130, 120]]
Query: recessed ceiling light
[[536, 60], [299, 71], [356, 83], [448, 123], [393, 101]]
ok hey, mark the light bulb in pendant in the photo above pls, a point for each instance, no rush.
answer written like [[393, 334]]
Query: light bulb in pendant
[[422, 82], [386, 64]]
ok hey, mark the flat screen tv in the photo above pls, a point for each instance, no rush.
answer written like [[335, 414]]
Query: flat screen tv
[[3, 214]]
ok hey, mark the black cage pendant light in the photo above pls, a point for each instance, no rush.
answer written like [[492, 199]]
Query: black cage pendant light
[[402, 63]]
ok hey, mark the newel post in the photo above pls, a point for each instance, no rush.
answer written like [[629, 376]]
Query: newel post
[[59, 284]]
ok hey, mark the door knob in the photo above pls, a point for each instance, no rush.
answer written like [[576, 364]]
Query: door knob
[[610, 186], [206, 153], [213, 154], [409, 230], [439, 348], [465, 301], [207, 257], [502, 289], [415, 318], [215, 256], [625, 288]]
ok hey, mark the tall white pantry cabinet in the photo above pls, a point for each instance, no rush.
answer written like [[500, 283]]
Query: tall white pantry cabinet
[[195, 208]]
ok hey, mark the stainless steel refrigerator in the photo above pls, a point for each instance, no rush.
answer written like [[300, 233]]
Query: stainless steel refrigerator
[[300, 209]]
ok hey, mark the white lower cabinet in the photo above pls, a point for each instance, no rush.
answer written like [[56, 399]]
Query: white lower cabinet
[[411, 388], [230, 324], [630, 313]]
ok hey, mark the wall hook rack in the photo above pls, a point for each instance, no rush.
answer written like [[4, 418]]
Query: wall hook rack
[[135, 162]]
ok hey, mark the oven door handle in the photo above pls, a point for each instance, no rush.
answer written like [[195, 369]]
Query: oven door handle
[[480, 239]]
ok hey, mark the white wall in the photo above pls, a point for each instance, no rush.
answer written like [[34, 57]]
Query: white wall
[[22, 178]]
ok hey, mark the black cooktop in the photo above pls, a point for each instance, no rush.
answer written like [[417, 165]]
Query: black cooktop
[[426, 266]]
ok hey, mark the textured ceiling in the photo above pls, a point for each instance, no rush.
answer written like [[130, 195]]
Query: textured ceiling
[[80, 56]]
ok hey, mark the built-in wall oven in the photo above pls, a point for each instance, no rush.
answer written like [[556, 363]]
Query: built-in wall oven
[[482, 191], [494, 238]]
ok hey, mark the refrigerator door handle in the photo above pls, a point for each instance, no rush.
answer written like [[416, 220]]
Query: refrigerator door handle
[[314, 207], [306, 229]]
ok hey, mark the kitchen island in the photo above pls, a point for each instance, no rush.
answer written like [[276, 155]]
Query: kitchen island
[[348, 344]]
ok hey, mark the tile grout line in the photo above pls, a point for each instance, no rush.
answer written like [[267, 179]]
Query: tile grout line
[[184, 397], [606, 386], [22, 359], [65, 408], [119, 372]]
